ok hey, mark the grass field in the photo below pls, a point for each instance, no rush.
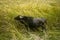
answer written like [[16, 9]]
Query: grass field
[[11, 29]]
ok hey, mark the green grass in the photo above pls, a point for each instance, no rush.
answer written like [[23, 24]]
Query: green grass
[[11, 29]]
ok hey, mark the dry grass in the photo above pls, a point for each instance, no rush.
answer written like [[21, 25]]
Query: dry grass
[[13, 30]]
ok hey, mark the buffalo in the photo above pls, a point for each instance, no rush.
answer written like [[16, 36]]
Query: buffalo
[[31, 22]]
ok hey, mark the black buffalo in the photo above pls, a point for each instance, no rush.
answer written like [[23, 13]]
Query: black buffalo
[[32, 23]]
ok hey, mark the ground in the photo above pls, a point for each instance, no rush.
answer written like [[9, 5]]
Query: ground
[[13, 30]]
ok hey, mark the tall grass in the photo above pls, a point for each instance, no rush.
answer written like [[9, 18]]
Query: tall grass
[[14, 30]]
